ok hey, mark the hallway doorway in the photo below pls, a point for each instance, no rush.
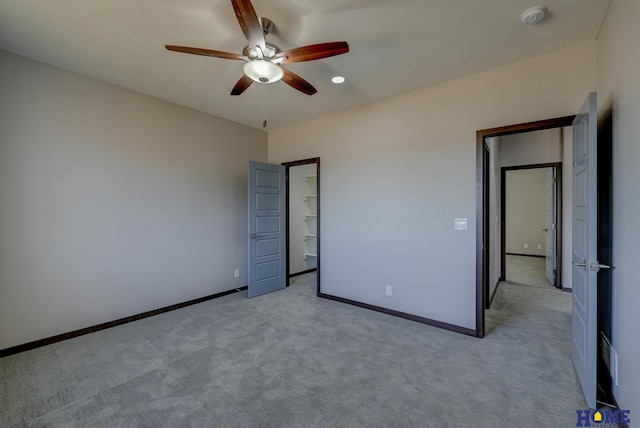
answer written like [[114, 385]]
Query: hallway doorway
[[303, 218], [488, 266], [531, 222]]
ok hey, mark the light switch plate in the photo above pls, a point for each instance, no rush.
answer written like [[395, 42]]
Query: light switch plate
[[461, 224]]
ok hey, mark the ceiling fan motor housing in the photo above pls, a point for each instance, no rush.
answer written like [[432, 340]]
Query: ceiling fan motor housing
[[254, 52], [267, 25]]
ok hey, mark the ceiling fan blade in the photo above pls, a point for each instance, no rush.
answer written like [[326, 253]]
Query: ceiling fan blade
[[242, 84], [311, 52], [206, 52], [297, 82], [249, 23]]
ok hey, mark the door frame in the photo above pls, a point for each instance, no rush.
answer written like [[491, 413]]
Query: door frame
[[482, 203], [288, 165], [558, 209]]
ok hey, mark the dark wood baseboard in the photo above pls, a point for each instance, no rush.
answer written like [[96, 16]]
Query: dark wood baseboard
[[428, 321], [303, 272], [70, 335], [525, 255]]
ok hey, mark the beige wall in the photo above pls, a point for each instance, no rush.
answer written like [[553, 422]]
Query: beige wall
[[529, 148], [112, 203], [396, 173], [618, 67]]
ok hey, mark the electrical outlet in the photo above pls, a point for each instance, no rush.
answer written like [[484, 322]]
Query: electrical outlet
[[461, 224], [526, 245], [388, 290], [236, 273], [539, 246]]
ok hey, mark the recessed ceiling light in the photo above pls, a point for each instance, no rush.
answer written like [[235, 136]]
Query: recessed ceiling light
[[533, 15], [338, 79]]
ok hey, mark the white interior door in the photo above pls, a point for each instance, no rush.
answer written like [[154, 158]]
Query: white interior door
[[550, 225], [266, 213], [585, 265]]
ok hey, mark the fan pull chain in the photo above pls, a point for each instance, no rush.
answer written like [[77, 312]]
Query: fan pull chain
[[264, 106]]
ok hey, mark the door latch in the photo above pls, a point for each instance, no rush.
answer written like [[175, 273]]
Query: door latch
[[596, 266], [592, 266]]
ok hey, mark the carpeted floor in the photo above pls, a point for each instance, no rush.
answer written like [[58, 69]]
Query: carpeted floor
[[526, 270], [289, 359]]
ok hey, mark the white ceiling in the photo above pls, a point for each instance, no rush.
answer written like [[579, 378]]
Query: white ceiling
[[396, 46]]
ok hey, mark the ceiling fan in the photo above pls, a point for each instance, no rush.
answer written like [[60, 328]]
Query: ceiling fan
[[264, 60]]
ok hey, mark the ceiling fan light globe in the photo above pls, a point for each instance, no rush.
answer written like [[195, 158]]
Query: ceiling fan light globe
[[263, 71]]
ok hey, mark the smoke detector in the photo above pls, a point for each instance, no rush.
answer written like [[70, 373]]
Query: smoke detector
[[533, 15]]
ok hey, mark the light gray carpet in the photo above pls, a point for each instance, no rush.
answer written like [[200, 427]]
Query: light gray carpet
[[289, 359], [526, 270]]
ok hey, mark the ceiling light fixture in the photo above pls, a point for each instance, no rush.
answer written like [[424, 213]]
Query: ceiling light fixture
[[338, 79], [263, 71], [533, 15]]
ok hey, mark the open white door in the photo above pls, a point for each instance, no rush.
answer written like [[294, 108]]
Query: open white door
[[266, 212], [585, 263]]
